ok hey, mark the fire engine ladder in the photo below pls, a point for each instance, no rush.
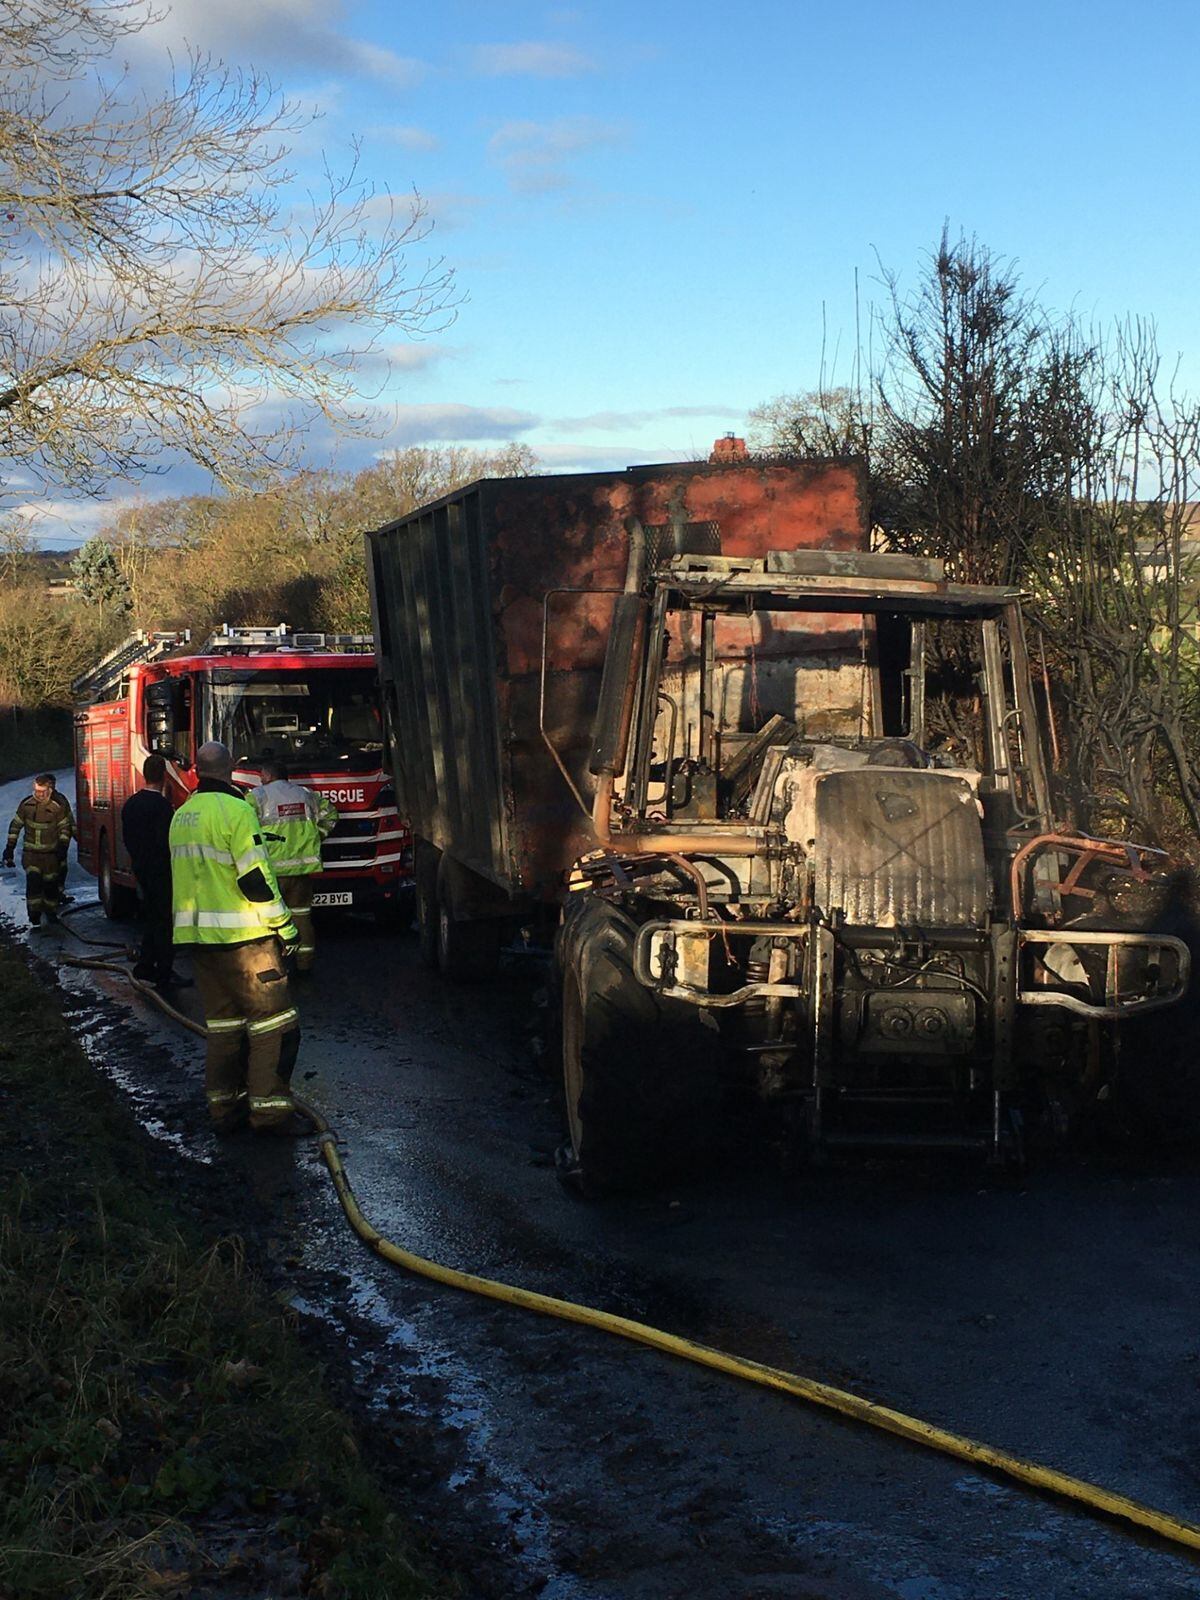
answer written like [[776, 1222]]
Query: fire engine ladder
[[280, 637], [103, 680]]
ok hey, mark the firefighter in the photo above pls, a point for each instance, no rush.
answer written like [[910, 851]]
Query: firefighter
[[145, 828], [45, 818], [295, 822], [226, 907]]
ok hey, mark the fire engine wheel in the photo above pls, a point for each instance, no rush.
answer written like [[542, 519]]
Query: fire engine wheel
[[641, 1075], [119, 902]]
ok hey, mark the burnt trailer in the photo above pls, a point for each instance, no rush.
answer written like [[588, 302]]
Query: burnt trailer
[[787, 799]]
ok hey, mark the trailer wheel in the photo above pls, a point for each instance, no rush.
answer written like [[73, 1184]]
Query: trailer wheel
[[119, 903], [396, 915], [467, 951], [425, 889], [641, 1075]]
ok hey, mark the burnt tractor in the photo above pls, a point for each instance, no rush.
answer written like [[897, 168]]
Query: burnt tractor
[[827, 870], [783, 801]]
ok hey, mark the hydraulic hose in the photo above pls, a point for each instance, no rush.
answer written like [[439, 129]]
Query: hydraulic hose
[[147, 990], [103, 944], [1091, 1497]]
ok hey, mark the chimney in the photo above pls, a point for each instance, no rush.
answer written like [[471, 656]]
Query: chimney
[[728, 450]]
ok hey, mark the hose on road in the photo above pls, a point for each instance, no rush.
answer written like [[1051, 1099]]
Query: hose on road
[[1092, 1497], [66, 912]]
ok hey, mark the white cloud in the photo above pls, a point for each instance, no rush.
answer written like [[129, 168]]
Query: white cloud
[[408, 138], [445, 424], [604, 458], [376, 61], [536, 155], [294, 33], [414, 357], [388, 213], [62, 524], [450, 209], [399, 359], [531, 58], [621, 421]]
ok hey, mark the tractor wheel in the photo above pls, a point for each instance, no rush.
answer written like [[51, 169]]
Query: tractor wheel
[[641, 1075]]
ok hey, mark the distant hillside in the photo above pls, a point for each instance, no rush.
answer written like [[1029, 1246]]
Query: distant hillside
[[55, 563]]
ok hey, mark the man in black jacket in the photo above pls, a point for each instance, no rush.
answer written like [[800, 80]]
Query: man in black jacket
[[145, 825]]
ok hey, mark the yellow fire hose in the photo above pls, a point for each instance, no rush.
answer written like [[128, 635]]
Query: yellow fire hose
[[1089, 1495]]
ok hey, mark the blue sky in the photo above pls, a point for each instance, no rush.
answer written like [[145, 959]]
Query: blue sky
[[656, 213]]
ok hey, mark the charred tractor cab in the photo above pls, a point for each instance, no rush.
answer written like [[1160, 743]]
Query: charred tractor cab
[[828, 867]]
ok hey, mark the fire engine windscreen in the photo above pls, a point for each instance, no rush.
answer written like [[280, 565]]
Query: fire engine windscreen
[[307, 715]]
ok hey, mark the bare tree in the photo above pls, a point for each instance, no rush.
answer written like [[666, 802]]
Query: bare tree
[[820, 422], [979, 396], [18, 560], [160, 292], [44, 643], [1024, 448], [52, 37], [1115, 577]]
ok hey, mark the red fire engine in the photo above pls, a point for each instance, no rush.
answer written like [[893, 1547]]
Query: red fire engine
[[310, 698]]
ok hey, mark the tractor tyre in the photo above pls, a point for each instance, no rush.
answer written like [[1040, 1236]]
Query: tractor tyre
[[641, 1074]]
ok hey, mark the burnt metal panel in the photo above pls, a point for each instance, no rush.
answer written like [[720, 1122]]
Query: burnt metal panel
[[458, 589], [667, 539], [896, 848], [430, 596]]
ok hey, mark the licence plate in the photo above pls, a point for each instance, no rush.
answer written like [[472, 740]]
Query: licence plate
[[340, 897]]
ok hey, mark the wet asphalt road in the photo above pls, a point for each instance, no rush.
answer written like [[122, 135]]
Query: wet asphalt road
[[1058, 1320]]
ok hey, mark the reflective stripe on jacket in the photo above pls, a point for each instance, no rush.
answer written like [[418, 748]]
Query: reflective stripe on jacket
[[294, 822], [47, 825], [214, 842]]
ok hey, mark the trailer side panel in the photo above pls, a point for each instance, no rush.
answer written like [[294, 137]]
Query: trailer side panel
[[471, 592]]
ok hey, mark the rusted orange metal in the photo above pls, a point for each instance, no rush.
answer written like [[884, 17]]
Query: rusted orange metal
[[460, 593], [1086, 850]]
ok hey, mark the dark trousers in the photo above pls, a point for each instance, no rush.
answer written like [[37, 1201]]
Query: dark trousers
[[44, 873], [253, 1032], [296, 894], [154, 963]]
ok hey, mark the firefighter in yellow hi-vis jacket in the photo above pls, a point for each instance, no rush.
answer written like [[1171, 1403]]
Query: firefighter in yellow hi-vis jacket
[[227, 911], [295, 823], [45, 818]]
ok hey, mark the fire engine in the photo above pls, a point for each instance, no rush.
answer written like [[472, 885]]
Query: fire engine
[[311, 699]]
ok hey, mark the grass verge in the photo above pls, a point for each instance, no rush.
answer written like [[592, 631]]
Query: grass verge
[[165, 1431]]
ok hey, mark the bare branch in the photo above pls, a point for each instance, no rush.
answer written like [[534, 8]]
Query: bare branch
[[157, 294]]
